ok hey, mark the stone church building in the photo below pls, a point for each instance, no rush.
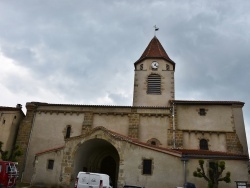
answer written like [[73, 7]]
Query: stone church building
[[155, 143], [10, 119]]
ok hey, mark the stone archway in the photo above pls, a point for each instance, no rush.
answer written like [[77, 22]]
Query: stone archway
[[99, 156]]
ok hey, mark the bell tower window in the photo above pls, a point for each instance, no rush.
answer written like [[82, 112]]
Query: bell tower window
[[154, 84], [141, 66], [167, 67]]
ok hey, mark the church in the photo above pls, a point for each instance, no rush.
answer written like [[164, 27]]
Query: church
[[157, 142]]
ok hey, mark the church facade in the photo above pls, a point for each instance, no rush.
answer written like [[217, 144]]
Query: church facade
[[10, 119], [156, 142]]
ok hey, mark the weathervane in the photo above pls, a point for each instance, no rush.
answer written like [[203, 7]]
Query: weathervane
[[156, 29]]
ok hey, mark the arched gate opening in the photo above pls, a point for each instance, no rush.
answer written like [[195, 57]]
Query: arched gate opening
[[107, 166], [99, 156]]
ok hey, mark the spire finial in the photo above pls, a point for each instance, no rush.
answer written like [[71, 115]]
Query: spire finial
[[156, 29]]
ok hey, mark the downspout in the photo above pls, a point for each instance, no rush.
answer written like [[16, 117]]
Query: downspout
[[173, 118], [185, 160]]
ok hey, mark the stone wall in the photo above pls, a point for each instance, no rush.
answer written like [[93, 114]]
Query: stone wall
[[24, 134], [233, 143], [175, 135], [134, 120], [87, 123]]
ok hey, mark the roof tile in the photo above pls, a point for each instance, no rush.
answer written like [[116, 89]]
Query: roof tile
[[154, 50]]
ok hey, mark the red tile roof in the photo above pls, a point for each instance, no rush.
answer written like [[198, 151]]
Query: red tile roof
[[194, 153], [130, 140], [155, 50], [182, 153], [207, 102], [50, 150], [188, 153], [95, 106]]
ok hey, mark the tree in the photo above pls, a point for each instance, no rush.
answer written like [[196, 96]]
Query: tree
[[4, 155], [214, 175]]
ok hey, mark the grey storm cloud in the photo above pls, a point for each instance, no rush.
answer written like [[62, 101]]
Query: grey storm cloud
[[84, 51]]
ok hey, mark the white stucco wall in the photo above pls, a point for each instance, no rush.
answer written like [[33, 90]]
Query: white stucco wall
[[167, 170], [48, 132], [117, 123], [44, 176], [216, 142], [9, 122], [217, 118], [152, 127], [240, 127]]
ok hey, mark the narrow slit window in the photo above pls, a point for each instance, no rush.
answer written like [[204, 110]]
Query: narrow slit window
[[68, 132], [147, 167], [50, 164], [154, 84], [141, 66], [202, 111], [167, 67]]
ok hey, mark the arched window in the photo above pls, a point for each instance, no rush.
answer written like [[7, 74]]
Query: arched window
[[68, 131], [154, 84], [203, 144], [153, 142]]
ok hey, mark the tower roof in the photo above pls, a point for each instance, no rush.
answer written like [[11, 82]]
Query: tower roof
[[156, 51]]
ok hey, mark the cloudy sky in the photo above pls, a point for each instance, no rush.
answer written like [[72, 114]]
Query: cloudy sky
[[83, 51]]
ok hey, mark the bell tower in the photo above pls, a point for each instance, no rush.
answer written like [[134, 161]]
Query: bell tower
[[154, 77]]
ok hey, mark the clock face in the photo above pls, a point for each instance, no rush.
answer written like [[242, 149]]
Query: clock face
[[154, 64]]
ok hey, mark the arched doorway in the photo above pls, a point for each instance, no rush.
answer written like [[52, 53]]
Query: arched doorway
[[99, 156]]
